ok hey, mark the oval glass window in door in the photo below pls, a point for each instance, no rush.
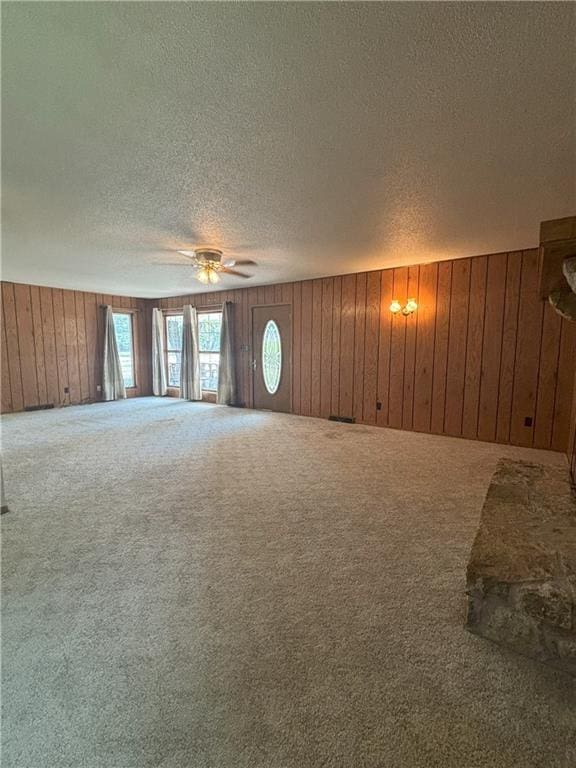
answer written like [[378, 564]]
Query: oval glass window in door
[[271, 357]]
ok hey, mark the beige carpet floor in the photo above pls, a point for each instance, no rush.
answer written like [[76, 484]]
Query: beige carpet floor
[[191, 586]]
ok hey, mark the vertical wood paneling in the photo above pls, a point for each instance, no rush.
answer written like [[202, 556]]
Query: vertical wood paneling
[[572, 435], [27, 349], [384, 346], [410, 351], [91, 326], [297, 348], [71, 337], [397, 351], [50, 356], [306, 350], [457, 338], [38, 344], [6, 399], [359, 342], [52, 340], [246, 352], [492, 346], [61, 351], [528, 340], [326, 348], [474, 346], [336, 320], [82, 347], [252, 300], [237, 344], [508, 357], [371, 338], [441, 338], [13, 349], [424, 362], [316, 348], [348, 318]]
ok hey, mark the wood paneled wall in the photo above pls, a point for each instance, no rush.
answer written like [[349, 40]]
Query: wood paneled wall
[[52, 340], [483, 357], [572, 439]]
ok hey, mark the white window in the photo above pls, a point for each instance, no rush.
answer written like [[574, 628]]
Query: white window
[[271, 357], [174, 348], [209, 325], [125, 342]]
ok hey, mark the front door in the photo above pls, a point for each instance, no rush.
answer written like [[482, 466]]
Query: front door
[[272, 357]]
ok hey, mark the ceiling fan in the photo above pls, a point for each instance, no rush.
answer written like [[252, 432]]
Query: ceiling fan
[[210, 264]]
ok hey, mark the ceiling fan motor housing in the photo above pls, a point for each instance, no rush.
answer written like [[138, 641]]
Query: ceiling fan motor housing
[[208, 254]]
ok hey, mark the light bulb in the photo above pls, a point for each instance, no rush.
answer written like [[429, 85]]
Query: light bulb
[[203, 275], [213, 276], [395, 306], [411, 306]]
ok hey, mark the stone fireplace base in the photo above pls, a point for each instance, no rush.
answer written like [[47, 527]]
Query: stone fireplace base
[[521, 577]]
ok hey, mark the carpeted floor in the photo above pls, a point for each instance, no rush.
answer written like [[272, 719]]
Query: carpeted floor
[[191, 586]]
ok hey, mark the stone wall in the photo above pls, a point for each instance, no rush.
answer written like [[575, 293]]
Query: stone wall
[[521, 578]]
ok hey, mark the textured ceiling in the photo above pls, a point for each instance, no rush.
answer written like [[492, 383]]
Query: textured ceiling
[[314, 138]]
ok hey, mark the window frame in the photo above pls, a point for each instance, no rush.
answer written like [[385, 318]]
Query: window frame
[[170, 313], [130, 313], [180, 311], [209, 311]]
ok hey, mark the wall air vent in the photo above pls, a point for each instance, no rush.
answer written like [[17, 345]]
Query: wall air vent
[[343, 419], [43, 407]]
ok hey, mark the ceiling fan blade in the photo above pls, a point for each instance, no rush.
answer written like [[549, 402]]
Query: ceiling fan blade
[[188, 254], [181, 264], [233, 262], [234, 272]]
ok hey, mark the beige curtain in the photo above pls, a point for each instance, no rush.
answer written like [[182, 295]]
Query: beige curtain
[[158, 357], [112, 379], [227, 370], [190, 385]]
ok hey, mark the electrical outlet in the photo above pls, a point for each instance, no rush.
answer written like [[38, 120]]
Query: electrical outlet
[[528, 421], [66, 390], [98, 388], [378, 406]]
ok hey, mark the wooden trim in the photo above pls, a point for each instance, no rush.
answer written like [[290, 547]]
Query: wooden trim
[[200, 309], [121, 310]]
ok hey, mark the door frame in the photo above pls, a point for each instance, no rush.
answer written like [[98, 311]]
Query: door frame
[[252, 352]]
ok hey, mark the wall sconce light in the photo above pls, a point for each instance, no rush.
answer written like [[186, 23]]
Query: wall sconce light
[[408, 308]]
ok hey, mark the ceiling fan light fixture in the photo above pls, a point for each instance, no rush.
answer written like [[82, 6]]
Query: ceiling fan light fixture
[[207, 275], [208, 263]]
